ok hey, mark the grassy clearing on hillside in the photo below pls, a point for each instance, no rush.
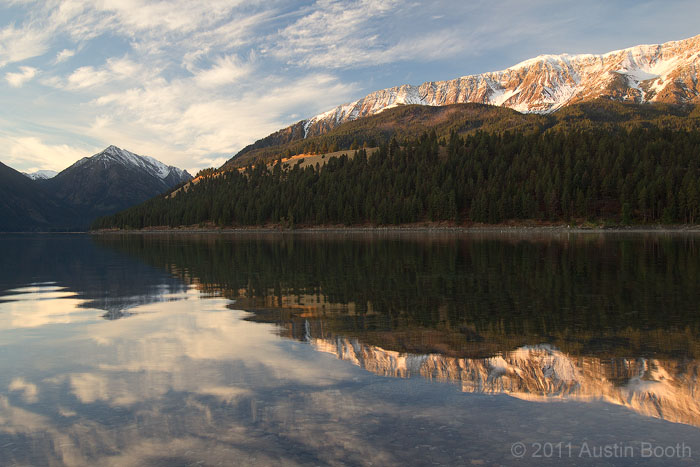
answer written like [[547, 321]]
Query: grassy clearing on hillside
[[320, 159]]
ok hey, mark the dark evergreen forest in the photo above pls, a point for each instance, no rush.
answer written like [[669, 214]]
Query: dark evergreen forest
[[622, 176]]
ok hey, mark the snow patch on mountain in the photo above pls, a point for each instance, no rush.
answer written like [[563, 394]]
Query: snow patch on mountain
[[41, 174]]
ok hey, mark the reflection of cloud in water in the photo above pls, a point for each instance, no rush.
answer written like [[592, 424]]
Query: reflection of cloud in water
[[46, 304], [174, 349], [29, 391], [41, 305], [190, 381], [159, 374]]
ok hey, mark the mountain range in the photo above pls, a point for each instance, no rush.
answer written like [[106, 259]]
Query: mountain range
[[107, 182], [663, 73]]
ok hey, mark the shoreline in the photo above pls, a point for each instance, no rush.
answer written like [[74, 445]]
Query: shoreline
[[433, 229]]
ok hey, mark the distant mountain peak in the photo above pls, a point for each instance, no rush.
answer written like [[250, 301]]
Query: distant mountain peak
[[41, 174]]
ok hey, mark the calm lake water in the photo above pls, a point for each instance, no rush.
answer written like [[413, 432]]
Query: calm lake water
[[350, 349]]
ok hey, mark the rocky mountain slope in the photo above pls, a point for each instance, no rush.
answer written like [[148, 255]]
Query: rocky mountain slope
[[664, 73]]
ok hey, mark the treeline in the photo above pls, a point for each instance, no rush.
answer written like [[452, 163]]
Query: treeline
[[635, 176]]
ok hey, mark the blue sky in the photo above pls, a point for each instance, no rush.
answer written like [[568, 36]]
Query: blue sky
[[191, 83]]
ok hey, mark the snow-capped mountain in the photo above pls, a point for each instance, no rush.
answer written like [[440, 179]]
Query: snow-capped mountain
[[41, 174], [645, 73], [110, 181], [113, 155]]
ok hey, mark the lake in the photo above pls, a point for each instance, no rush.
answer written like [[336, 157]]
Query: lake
[[350, 349]]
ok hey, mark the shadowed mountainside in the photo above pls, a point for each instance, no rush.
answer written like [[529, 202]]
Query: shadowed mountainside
[[27, 206]]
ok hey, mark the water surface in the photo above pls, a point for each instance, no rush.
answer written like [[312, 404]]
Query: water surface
[[349, 349]]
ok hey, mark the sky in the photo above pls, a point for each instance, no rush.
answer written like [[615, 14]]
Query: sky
[[191, 83]]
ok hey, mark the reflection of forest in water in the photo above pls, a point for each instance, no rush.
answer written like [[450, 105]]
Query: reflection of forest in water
[[96, 274], [473, 295]]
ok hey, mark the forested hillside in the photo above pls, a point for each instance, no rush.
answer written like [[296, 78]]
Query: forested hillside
[[642, 175], [407, 122]]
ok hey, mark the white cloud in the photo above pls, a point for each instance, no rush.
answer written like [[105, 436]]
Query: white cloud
[[64, 55], [337, 34], [85, 77], [363, 33], [185, 92], [149, 25], [46, 21], [30, 153], [17, 44], [114, 70], [157, 17], [226, 70], [16, 80], [429, 47]]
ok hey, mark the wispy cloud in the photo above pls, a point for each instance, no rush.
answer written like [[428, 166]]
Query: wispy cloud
[[87, 76], [147, 24], [16, 80], [226, 70], [64, 55], [116, 71], [32, 153], [336, 33], [17, 44]]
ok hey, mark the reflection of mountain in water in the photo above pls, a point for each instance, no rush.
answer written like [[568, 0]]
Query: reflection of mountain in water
[[96, 274], [657, 388], [135, 294], [116, 314]]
